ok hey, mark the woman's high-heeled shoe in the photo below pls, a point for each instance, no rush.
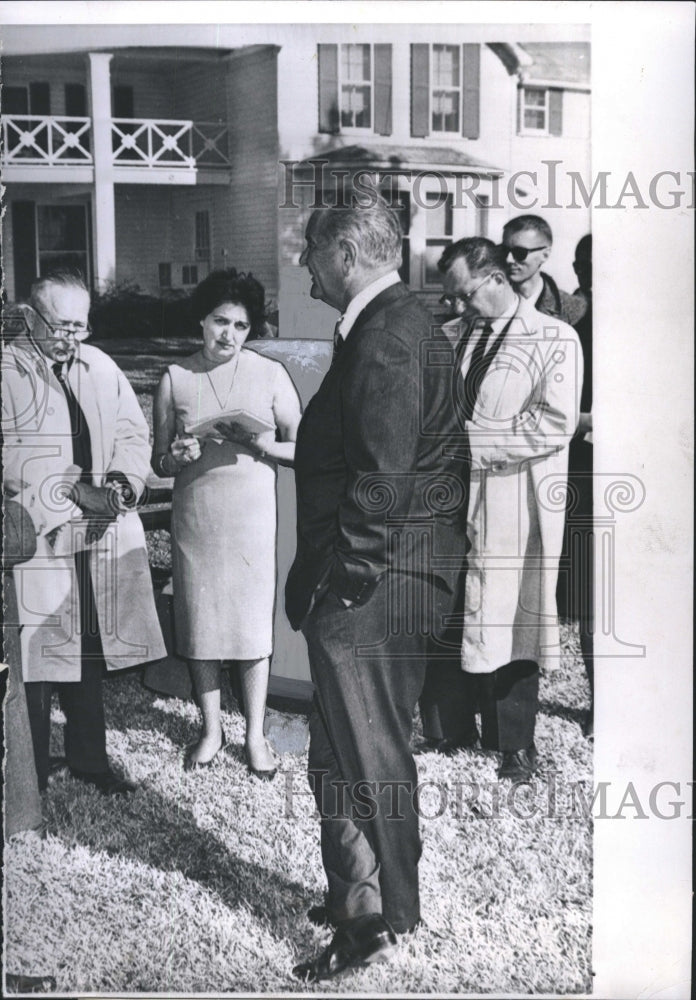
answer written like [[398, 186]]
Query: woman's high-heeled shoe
[[265, 775], [191, 765]]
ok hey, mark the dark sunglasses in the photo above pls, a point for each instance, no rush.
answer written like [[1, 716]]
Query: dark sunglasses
[[520, 254]]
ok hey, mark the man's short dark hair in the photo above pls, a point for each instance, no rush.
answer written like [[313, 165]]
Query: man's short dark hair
[[528, 223], [482, 256]]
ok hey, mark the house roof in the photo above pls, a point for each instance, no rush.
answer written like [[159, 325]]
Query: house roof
[[382, 156], [558, 62]]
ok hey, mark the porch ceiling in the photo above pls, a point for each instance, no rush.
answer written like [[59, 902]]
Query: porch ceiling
[[166, 58]]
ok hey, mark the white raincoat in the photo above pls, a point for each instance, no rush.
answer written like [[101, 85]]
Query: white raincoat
[[526, 412], [37, 453]]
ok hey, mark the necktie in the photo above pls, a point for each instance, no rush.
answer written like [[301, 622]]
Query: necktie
[[338, 340], [475, 372], [82, 455], [81, 441]]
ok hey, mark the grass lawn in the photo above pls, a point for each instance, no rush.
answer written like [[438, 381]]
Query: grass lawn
[[199, 883]]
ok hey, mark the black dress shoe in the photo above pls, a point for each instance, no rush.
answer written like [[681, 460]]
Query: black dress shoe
[[518, 765], [357, 942], [446, 747], [105, 782], [193, 765], [319, 916]]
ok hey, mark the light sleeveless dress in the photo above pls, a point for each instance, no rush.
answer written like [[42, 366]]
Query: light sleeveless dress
[[224, 515]]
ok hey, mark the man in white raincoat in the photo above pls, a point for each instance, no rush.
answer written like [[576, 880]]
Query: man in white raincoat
[[519, 394], [76, 454]]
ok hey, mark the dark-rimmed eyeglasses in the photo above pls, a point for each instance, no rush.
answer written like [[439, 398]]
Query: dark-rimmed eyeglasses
[[76, 330], [520, 254], [464, 297]]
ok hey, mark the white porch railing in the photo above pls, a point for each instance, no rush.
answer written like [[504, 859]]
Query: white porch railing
[[54, 141], [153, 142]]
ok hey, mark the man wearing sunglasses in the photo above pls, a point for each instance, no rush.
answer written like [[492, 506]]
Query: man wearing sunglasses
[[528, 240], [76, 454], [518, 393]]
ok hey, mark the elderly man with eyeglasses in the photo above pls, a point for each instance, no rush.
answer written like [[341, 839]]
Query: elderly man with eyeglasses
[[76, 454], [518, 395]]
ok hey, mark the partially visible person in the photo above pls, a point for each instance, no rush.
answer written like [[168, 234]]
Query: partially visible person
[[224, 504], [576, 580], [528, 242], [76, 443], [519, 409], [22, 799]]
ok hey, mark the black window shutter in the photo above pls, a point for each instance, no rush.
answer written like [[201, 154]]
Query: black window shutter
[[75, 100], [328, 88], [556, 112], [39, 99], [420, 90], [520, 99], [471, 81], [24, 246], [383, 89]]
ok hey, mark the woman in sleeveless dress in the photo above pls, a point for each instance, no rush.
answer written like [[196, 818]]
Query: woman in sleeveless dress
[[224, 503]]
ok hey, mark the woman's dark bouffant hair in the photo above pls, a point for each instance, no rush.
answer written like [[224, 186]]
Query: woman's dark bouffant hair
[[231, 286]]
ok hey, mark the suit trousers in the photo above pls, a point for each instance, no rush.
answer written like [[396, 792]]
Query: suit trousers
[[447, 702], [507, 699], [81, 701], [367, 664]]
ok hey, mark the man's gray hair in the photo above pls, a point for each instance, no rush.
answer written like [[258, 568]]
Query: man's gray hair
[[375, 229], [60, 276]]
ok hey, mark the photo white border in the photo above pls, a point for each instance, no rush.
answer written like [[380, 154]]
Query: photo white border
[[643, 120]]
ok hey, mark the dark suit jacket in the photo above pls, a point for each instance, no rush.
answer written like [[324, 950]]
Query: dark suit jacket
[[371, 459]]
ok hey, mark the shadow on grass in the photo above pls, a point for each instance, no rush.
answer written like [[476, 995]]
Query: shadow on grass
[[562, 711], [157, 831], [128, 704]]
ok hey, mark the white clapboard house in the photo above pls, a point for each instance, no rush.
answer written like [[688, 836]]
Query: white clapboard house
[[149, 156]]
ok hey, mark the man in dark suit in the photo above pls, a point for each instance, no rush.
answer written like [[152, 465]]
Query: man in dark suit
[[378, 511]]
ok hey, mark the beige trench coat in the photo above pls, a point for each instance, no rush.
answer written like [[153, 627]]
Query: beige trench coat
[[526, 412], [37, 451]]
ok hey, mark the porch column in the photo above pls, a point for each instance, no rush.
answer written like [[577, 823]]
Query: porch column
[[103, 209]]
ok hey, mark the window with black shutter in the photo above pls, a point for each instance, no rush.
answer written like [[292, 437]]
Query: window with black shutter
[[355, 88], [540, 111], [445, 90]]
